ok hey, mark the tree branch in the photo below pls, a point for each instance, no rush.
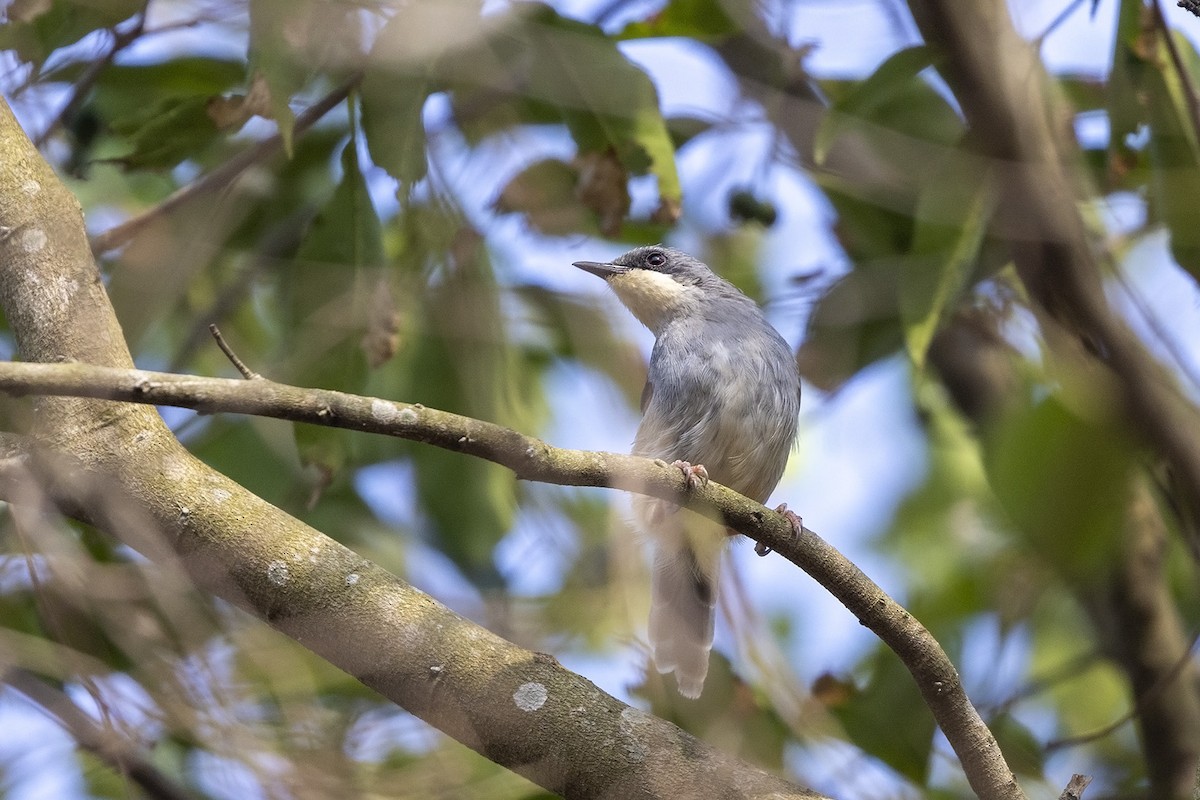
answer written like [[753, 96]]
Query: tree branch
[[1000, 84], [455, 675], [517, 708], [104, 743], [533, 459]]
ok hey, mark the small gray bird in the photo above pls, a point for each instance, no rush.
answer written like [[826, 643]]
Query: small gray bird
[[721, 401]]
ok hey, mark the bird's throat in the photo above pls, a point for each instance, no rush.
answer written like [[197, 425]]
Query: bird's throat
[[652, 297]]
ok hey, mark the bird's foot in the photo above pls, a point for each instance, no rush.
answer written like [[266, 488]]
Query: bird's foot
[[695, 474], [796, 523]]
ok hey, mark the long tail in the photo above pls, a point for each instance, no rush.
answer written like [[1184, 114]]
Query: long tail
[[682, 610]]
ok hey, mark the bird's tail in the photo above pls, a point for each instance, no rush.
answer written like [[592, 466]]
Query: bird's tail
[[682, 609]]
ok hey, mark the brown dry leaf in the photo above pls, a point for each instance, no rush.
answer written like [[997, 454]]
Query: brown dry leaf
[[545, 193], [667, 213], [831, 692], [382, 339], [232, 112], [604, 188]]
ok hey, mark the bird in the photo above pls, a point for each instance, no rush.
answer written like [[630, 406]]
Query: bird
[[721, 402]]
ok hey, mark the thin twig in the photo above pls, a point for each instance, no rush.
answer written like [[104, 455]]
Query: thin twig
[[120, 40], [247, 373], [1164, 336], [103, 742], [1075, 787], [1141, 702], [1057, 21], [225, 174], [1190, 5], [1185, 77]]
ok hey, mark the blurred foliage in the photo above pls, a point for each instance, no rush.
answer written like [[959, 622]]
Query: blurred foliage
[[372, 256]]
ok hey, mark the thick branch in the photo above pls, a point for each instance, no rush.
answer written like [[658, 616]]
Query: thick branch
[[126, 473], [533, 459]]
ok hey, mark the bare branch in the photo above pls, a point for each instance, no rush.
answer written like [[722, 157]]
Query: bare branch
[[105, 743], [237, 362], [515, 707], [533, 459], [1075, 787], [79, 92]]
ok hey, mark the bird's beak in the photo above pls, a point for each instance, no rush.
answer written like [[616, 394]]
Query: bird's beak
[[603, 270]]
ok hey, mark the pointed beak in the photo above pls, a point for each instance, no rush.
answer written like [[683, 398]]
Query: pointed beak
[[602, 270]]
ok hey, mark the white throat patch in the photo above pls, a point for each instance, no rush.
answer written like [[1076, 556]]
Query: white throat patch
[[652, 296]]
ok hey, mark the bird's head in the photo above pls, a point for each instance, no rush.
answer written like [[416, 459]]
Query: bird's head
[[658, 283]]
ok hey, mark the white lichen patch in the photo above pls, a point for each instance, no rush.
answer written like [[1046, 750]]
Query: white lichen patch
[[630, 725], [175, 469], [31, 187], [530, 696], [219, 495], [383, 411], [353, 578], [33, 239], [278, 573]]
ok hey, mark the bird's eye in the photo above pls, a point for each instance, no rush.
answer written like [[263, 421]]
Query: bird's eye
[[656, 259]]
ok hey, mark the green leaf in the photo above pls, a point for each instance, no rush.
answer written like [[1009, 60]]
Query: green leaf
[[566, 71], [952, 219], [122, 90], [703, 20], [35, 29], [1145, 90], [892, 100], [393, 95], [463, 363], [1063, 477], [329, 291], [870, 715], [606, 100], [1175, 157], [272, 56], [346, 235], [393, 125], [1021, 749], [856, 322], [167, 133]]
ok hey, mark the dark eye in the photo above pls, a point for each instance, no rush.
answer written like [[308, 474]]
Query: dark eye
[[656, 259]]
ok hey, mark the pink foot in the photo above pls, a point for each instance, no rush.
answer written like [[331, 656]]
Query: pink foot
[[792, 517], [695, 475]]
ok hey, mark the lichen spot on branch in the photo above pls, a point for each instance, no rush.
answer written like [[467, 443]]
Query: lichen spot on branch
[[32, 240], [278, 572], [530, 696]]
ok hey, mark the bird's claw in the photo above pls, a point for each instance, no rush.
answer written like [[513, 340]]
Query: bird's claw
[[793, 518], [695, 475]]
